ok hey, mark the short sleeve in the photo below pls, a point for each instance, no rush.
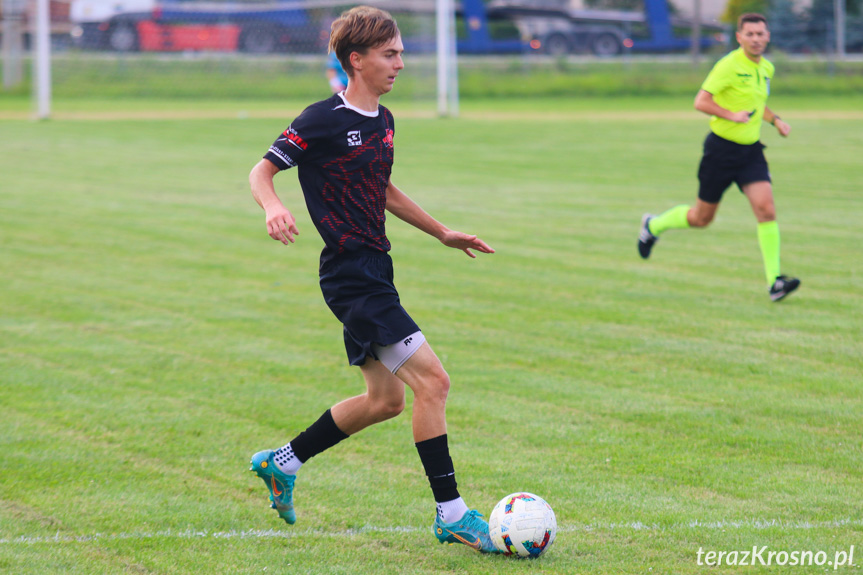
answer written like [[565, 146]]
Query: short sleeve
[[718, 78], [293, 144]]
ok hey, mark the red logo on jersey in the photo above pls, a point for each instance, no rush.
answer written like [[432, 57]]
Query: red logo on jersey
[[295, 139], [388, 139]]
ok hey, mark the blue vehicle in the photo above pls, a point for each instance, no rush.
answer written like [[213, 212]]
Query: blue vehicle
[[558, 31]]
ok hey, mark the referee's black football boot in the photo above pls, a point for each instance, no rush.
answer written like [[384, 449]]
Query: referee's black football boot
[[645, 238], [783, 286]]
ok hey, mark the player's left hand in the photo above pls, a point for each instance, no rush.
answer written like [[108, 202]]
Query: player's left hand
[[465, 243], [783, 128]]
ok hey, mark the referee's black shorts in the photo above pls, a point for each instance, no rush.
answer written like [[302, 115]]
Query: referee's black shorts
[[725, 162], [359, 290]]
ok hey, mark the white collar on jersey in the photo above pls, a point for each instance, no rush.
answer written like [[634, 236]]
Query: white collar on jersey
[[349, 106]]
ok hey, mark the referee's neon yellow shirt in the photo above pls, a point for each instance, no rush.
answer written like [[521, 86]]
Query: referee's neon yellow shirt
[[737, 83]]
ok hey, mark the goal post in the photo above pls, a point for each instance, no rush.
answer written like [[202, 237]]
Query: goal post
[[447, 62], [42, 60]]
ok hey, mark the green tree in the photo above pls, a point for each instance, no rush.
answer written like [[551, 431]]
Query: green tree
[[735, 8]]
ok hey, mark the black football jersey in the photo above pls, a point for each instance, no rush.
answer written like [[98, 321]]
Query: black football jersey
[[344, 158]]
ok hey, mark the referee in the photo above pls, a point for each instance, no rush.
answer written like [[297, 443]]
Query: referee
[[735, 96]]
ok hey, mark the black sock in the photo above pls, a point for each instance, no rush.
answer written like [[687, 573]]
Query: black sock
[[434, 454], [318, 437]]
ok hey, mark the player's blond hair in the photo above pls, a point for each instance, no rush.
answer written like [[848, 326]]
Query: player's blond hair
[[358, 30]]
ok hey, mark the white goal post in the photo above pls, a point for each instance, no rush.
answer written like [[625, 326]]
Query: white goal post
[[447, 59], [42, 60]]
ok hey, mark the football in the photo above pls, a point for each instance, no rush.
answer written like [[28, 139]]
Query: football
[[522, 524]]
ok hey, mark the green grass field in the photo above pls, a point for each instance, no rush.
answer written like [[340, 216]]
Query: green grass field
[[153, 337]]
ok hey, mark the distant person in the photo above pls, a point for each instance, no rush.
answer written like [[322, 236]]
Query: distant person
[[343, 147], [735, 96], [336, 74]]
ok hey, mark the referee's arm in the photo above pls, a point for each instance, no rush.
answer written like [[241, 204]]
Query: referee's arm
[[704, 102], [781, 126]]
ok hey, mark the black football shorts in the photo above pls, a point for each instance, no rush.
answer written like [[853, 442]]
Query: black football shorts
[[725, 162], [359, 290]]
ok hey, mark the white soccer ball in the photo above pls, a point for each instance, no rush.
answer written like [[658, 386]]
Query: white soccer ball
[[522, 524]]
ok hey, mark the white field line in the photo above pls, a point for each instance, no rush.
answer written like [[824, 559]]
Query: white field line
[[480, 115], [755, 524]]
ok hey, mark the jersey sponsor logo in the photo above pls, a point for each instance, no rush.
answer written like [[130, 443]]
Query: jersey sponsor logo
[[355, 138], [388, 139], [290, 135]]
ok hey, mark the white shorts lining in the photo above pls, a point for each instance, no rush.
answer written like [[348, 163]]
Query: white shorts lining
[[395, 355]]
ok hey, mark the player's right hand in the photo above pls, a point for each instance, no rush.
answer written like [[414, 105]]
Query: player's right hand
[[281, 225]]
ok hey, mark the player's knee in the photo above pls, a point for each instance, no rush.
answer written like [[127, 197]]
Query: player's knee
[[385, 406], [436, 388], [389, 408], [442, 383]]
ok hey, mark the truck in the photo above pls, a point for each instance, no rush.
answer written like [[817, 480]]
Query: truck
[[182, 25], [557, 30]]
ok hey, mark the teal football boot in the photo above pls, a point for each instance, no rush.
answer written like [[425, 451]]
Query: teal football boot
[[281, 485], [470, 530]]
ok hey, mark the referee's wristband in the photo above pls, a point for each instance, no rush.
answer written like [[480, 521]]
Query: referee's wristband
[[775, 117]]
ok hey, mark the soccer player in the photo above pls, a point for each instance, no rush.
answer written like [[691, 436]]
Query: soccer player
[[343, 148], [735, 96]]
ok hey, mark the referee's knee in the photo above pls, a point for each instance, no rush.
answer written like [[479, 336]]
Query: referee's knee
[[765, 213], [697, 220]]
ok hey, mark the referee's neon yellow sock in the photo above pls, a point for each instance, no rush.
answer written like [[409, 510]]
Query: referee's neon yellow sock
[[768, 239], [673, 219]]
